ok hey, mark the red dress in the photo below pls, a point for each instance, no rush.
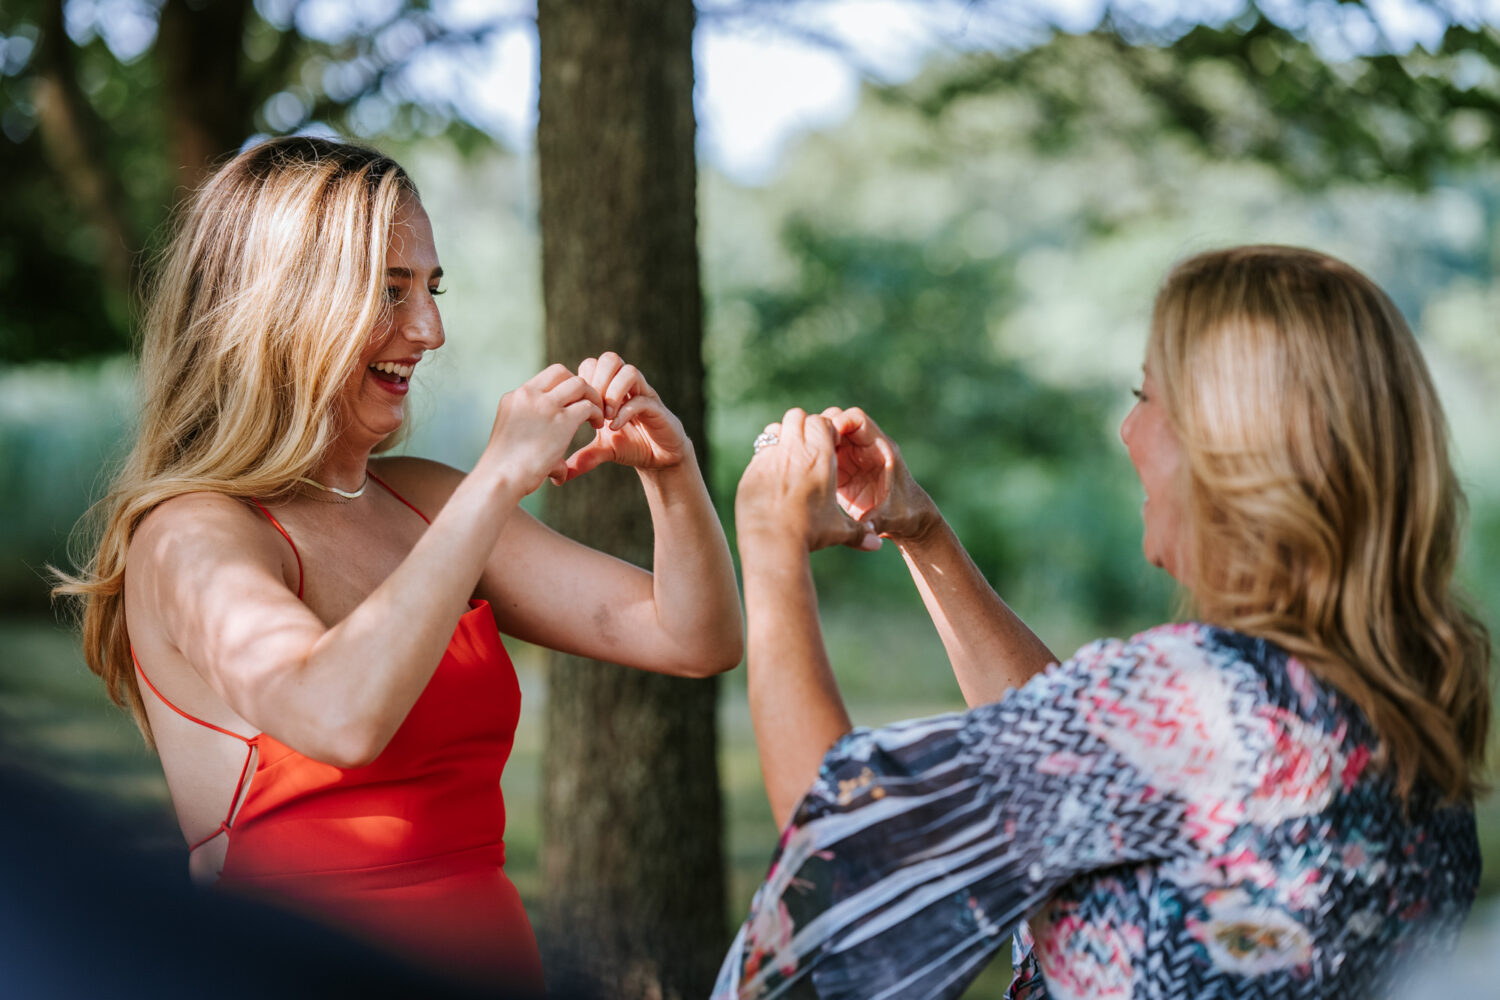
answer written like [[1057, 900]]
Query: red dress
[[408, 851]]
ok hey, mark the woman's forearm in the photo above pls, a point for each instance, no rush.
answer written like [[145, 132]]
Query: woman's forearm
[[990, 648], [795, 705], [693, 585]]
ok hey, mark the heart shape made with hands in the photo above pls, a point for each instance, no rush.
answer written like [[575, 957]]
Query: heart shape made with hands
[[868, 465], [636, 429], [790, 486]]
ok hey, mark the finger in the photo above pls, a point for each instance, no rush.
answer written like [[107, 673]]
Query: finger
[[634, 408], [626, 384], [771, 431], [586, 368], [822, 441], [820, 430], [605, 370], [550, 377], [791, 424], [847, 532], [586, 459], [582, 411], [575, 389], [855, 425], [863, 536]]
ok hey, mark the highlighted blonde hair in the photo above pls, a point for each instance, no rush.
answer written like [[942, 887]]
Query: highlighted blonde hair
[[254, 323], [1325, 514]]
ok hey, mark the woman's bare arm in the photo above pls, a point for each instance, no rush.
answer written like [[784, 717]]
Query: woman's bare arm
[[683, 618], [211, 580], [786, 506], [990, 648]]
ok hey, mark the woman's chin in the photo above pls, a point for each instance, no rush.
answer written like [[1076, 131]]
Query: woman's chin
[[367, 428]]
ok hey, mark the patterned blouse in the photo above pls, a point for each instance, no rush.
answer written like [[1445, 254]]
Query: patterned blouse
[[1190, 813]]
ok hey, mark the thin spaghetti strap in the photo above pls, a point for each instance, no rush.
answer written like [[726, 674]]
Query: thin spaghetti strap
[[251, 743], [191, 718], [398, 496], [272, 518]]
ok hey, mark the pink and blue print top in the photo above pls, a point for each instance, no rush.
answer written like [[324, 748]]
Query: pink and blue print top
[[1190, 813]]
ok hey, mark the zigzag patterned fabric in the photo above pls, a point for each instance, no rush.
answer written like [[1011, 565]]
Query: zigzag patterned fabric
[[1189, 814]]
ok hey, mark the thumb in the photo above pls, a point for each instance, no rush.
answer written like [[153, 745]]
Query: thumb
[[862, 535], [585, 459]]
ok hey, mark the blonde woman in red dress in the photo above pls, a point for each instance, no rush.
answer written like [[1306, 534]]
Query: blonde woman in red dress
[[309, 633]]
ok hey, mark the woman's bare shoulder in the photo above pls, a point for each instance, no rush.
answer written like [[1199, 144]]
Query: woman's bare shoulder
[[204, 527], [423, 483]]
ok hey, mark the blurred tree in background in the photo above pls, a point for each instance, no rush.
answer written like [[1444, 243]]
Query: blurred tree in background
[[633, 864], [111, 111]]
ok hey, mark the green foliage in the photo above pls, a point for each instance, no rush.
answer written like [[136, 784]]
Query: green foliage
[[1022, 469], [1257, 89], [89, 190], [59, 303]]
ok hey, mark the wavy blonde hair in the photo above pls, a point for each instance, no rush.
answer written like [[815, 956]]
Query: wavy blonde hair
[[1325, 514], [254, 322]]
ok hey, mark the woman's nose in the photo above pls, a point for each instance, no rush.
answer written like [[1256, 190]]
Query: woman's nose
[[424, 323], [1126, 425]]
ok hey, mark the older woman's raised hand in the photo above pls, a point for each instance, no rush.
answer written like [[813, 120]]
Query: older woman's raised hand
[[535, 423], [789, 491], [874, 484], [637, 428]]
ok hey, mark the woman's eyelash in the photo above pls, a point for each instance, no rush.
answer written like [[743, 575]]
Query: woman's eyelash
[[394, 294], [1139, 394]]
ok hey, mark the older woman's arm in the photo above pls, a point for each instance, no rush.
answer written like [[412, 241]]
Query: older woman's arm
[[785, 508], [990, 648]]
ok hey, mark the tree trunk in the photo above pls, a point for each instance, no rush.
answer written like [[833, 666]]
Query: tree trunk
[[71, 137], [632, 862], [200, 48]]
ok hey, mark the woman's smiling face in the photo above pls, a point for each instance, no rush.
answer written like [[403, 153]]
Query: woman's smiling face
[[1159, 462], [410, 326]]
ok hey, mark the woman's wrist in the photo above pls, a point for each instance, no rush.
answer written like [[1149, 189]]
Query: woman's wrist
[[687, 462], [770, 543], [923, 526], [494, 485]]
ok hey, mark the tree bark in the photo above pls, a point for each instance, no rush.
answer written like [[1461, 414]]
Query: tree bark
[[632, 859], [71, 138], [200, 48]]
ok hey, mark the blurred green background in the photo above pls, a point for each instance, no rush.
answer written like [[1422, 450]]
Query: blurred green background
[[970, 255]]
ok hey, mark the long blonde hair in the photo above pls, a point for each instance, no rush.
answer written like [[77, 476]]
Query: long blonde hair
[[254, 322], [1325, 514]]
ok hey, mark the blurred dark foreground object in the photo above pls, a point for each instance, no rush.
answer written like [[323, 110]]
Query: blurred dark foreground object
[[82, 916]]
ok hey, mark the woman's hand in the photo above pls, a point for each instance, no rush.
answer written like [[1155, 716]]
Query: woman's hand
[[536, 422], [874, 484], [789, 491], [637, 428]]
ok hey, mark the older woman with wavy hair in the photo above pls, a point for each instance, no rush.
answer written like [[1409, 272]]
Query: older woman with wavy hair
[[309, 633], [1272, 799]]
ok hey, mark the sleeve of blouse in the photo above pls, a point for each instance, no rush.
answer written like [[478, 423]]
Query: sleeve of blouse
[[922, 845]]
